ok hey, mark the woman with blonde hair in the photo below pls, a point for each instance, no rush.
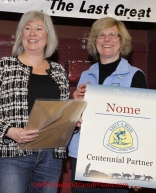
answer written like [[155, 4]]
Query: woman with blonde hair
[[108, 43], [24, 77]]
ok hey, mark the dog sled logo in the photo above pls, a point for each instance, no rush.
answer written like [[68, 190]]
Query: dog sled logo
[[121, 138]]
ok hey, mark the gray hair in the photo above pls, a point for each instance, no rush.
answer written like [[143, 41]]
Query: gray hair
[[105, 23], [52, 41]]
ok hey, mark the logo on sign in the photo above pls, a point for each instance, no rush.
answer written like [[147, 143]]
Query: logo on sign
[[121, 138]]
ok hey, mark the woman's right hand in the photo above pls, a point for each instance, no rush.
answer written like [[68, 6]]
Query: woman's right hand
[[80, 92], [22, 136]]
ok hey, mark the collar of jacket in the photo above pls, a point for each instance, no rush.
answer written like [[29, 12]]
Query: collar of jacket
[[123, 68]]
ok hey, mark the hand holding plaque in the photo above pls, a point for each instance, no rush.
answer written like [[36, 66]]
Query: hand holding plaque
[[55, 120]]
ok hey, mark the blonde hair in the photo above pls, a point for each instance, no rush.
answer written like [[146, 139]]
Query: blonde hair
[[52, 41], [105, 23]]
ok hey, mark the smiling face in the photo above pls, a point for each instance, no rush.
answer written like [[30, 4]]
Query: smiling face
[[108, 49], [34, 37]]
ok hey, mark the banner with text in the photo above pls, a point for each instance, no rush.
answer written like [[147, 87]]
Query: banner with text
[[125, 10], [117, 137]]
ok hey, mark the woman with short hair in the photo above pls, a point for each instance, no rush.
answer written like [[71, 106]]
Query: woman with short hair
[[108, 43]]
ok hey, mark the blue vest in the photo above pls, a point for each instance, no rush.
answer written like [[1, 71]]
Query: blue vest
[[122, 76]]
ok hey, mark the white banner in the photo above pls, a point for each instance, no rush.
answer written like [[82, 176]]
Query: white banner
[[117, 137], [126, 10]]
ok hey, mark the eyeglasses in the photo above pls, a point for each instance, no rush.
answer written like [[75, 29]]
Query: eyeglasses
[[110, 36]]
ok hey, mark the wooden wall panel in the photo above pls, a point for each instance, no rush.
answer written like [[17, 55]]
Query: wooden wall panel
[[6, 44]]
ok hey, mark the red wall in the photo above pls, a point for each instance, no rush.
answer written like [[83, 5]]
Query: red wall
[[72, 54]]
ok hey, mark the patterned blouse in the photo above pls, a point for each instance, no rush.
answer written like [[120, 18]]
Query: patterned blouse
[[14, 80]]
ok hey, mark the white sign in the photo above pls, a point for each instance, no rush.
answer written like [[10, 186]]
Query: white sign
[[117, 138], [126, 10]]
